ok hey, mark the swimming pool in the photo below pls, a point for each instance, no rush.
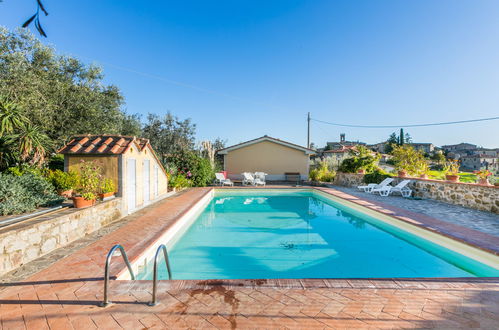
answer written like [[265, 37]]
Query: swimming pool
[[304, 233]]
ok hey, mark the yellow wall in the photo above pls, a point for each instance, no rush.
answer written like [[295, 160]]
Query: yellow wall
[[269, 157], [140, 156], [109, 165]]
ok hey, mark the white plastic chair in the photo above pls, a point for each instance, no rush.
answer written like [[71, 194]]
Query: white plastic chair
[[401, 188]]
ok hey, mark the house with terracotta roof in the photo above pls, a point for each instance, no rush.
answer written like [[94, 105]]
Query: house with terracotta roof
[[129, 161], [266, 154]]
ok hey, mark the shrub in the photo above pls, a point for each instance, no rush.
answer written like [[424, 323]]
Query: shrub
[[63, 181], [180, 181], [107, 186], [56, 162], [360, 158], [322, 173], [202, 173], [24, 193], [376, 176], [409, 159]]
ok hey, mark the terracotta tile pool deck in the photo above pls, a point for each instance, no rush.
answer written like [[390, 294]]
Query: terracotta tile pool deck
[[66, 295]]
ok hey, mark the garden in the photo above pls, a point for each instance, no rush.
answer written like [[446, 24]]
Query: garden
[[76, 101], [407, 162]]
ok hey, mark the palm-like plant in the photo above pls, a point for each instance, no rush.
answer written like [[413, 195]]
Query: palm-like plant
[[11, 117], [33, 143]]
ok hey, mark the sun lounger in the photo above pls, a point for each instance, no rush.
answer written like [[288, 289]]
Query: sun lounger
[[399, 188], [221, 180], [370, 187]]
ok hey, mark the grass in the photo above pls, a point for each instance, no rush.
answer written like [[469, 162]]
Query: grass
[[463, 176]]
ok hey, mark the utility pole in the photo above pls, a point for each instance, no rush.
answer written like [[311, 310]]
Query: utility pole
[[308, 130]]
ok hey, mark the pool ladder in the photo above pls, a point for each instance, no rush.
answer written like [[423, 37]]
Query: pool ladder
[[161, 248]]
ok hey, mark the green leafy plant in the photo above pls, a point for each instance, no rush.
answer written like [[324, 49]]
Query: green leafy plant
[[89, 177], [360, 158], [24, 193], [322, 173], [180, 181], [64, 181], [408, 159], [376, 176], [107, 186], [88, 196], [451, 167]]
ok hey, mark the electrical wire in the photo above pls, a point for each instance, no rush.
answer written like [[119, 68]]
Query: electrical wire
[[409, 125]]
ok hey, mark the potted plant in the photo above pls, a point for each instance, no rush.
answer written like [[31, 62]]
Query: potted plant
[[85, 200], [64, 182], [88, 184], [407, 160], [451, 169], [483, 177], [107, 188], [423, 169]]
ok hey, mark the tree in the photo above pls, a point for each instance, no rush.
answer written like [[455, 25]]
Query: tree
[[169, 136], [391, 142], [401, 137], [59, 94], [408, 138]]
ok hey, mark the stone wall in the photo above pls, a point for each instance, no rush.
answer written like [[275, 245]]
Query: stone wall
[[348, 179], [484, 198], [34, 238]]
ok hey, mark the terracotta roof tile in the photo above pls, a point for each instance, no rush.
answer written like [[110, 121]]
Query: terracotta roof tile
[[102, 144]]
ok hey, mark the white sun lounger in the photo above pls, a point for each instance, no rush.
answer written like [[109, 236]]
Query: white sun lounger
[[249, 179], [399, 188], [369, 188], [221, 180]]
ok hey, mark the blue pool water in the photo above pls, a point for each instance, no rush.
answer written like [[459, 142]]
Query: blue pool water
[[264, 234]]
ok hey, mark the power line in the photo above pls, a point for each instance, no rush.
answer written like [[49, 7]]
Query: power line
[[409, 125]]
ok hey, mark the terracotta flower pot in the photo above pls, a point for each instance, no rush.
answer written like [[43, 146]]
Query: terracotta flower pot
[[362, 171], [80, 202], [402, 174], [452, 177], [106, 195], [65, 193], [484, 182]]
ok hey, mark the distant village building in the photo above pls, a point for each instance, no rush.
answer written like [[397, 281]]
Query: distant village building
[[342, 143], [460, 147], [479, 162], [424, 147], [378, 147], [338, 155]]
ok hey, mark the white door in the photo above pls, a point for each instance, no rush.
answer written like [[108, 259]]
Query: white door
[[156, 183], [131, 184], [147, 181]]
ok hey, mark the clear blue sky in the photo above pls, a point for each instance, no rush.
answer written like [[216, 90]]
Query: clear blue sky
[[257, 67]]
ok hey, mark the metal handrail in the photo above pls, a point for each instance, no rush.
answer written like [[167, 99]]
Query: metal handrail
[[105, 302], [162, 247]]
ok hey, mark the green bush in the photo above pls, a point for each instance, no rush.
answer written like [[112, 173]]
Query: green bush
[[360, 158], [63, 181], [193, 167], [202, 173], [180, 181], [322, 173], [376, 176], [56, 162], [24, 193]]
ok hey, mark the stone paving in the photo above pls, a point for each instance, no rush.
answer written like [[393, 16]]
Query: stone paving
[[66, 295], [483, 221]]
